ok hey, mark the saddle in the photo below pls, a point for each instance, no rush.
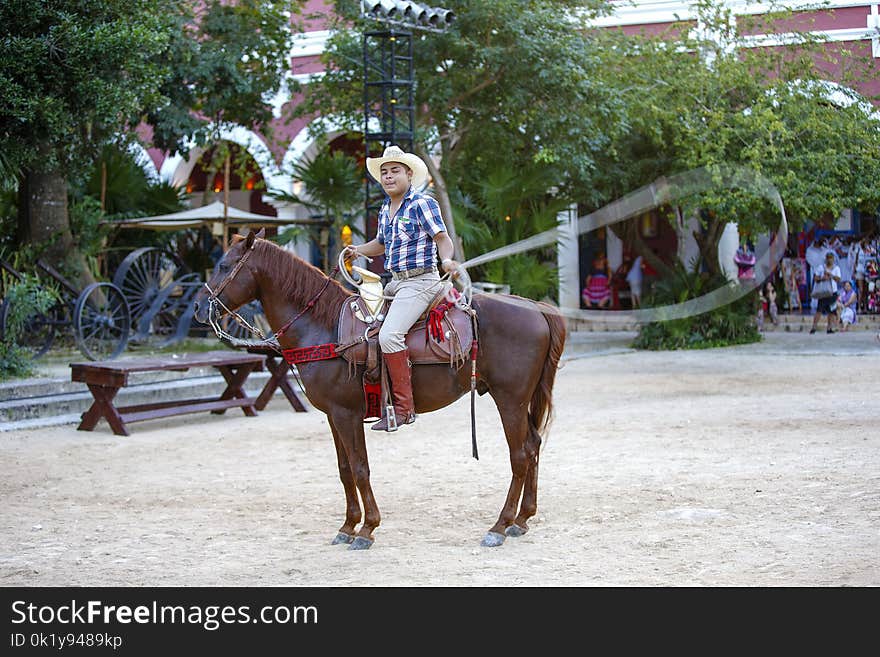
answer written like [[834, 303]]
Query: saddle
[[443, 334]]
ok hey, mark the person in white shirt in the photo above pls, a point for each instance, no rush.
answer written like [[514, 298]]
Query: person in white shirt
[[843, 259], [815, 257], [859, 255], [827, 305], [634, 278]]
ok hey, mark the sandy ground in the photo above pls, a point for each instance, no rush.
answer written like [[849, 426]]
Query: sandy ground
[[751, 466]]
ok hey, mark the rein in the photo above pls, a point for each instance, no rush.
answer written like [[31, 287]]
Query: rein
[[308, 305]]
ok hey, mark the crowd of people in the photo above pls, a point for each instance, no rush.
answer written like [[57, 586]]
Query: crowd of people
[[858, 258], [838, 279], [846, 267], [849, 267]]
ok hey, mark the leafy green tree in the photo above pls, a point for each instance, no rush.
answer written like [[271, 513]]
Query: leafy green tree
[[77, 74], [707, 100], [118, 180], [72, 75], [225, 65], [117, 187], [509, 205], [606, 113], [509, 82]]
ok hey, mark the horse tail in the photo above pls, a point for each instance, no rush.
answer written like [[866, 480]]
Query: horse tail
[[541, 405]]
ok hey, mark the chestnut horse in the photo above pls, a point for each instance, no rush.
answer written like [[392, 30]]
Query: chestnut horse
[[520, 344]]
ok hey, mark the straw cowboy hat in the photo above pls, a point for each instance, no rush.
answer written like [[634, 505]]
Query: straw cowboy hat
[[395, 154]]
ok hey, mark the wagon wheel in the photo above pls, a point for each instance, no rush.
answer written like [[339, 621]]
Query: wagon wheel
[[143, 273], [38, 332], [101, 321]]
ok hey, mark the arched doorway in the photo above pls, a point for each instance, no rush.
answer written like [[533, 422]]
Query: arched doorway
[[207, 180], [242, 187]]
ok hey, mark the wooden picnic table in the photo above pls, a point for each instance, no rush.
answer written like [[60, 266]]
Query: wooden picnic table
[[105, 378]]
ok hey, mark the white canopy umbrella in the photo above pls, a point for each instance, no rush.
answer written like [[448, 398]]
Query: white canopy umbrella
[[201, 216]]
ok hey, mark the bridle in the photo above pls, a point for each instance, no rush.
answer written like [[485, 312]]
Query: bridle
[[214, 302], [214, 316], [226, 281]]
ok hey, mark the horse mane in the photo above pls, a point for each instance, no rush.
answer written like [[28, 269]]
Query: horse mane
[[300, 282]]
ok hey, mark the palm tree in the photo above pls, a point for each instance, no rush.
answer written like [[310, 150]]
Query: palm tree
[[121, 183], [503, 208], [333, 190]]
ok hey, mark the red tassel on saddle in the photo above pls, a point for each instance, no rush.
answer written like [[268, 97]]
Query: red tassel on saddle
[[434, 325]]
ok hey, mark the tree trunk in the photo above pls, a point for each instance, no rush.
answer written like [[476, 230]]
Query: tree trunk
[[45, 224], [708, 244], [442, 193]]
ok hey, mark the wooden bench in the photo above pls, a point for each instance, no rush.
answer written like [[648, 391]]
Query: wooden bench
[[105, 378]]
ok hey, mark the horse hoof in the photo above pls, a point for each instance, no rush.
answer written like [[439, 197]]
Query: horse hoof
[[360, 543], [516, 530], [342, 538], [492, 539]]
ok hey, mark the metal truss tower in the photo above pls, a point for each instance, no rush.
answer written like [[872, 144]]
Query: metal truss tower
[[389, 84], [389, 103]]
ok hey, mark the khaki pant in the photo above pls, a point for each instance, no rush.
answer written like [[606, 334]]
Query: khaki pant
[[411, 298]]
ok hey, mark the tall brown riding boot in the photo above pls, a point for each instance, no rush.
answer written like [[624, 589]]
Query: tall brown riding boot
[[401, 392]]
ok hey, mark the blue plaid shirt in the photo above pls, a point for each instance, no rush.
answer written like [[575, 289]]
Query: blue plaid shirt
[[408, 237]]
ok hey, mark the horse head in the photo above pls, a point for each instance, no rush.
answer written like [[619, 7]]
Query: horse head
[[232, 283]]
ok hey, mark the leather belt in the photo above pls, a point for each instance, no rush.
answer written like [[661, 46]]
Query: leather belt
[[411, 273]]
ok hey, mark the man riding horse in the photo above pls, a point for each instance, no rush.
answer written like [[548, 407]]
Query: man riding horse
[[410, 234]]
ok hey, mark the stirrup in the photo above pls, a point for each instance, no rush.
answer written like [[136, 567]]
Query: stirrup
[[390, 419], [388, 422]]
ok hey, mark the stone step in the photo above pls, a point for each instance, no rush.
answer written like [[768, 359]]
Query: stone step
[[53, 399], [787, 322], [50, 398], [805, 322], [56, 407], [56, 400]]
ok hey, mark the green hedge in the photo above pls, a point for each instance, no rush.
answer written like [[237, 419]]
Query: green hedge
[[728, 325]]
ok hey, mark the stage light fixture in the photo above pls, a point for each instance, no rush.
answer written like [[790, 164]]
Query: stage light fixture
[[409, 14]]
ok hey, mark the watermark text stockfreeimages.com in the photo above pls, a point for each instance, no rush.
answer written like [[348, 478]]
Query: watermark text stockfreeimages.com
[[210, 617]]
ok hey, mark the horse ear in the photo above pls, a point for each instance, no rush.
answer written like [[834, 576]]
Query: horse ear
[[262, 234]]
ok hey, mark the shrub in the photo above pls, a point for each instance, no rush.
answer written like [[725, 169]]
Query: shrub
[[731, 324], [24, 300]]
